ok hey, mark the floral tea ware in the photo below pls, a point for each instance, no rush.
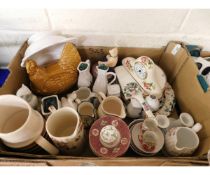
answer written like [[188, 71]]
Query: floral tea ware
[[147, 74], [109, 137], [153, 102]]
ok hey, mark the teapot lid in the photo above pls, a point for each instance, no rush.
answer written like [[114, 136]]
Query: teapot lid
[[109, 136]]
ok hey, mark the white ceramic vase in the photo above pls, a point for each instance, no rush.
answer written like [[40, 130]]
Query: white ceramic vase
[[85, 78], [101, 82]]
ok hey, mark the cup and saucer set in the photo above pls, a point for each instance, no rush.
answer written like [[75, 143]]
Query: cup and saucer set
[[49, 115]]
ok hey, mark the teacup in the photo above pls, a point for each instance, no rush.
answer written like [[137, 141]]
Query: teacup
[[182, 141], [111, 105], [86, 111], [146, 142], [66, 130], [21, 126]]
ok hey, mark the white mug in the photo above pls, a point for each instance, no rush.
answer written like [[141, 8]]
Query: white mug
[[66, 130], [20, 125], [182, 141]]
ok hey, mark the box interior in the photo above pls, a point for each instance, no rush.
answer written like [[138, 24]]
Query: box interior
[[181, 73]]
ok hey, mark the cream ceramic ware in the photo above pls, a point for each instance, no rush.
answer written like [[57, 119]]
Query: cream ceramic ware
[[25, 93], [112, 58], [86, 111], [153, 102], [45, 48], [111, 105], [81, 95], [101, 81], [68, 103], [163, 121], [66, 130], [134, 109], [113, 90], [147, 74], [85, 78], [185, 119], [146, 140], [182, 141], [127, 83], [20, 125]]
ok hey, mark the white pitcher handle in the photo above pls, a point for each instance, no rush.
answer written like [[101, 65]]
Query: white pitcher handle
[[47, 146], [197, 127], [114, 77]]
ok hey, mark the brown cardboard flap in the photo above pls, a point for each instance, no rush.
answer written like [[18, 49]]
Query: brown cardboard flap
[[173, 59], [192, 99], [17, 74]]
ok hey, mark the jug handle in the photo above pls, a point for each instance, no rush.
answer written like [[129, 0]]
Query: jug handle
[[197, 127], [114, 77], [101, 96]]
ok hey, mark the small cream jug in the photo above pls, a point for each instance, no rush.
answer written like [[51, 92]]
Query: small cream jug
[[111, 105]]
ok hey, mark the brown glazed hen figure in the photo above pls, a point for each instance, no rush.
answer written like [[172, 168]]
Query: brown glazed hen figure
[[56, 77]]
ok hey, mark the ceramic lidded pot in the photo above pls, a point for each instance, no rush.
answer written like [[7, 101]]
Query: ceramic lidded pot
[[109, 137], [56, 77]]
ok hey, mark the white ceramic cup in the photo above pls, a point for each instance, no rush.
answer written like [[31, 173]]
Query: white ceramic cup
[[134, 108], [20, 125], [182, 141], [66, 130]]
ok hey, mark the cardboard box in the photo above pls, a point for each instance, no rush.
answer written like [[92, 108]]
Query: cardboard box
[[181, 73]]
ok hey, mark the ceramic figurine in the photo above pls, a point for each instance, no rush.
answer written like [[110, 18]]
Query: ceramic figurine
[[153, 102], [182, 141], [112, 58], [101, 81], [68, 103], [57, 77], [85, 77], [109, 137], [25, 93]]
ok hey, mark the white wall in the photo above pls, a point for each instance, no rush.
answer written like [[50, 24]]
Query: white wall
[[132, 28]]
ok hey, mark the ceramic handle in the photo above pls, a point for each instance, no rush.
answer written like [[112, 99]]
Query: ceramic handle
[[52, 108], [101, 96], [114, 77], [197, 127], [47, 146]]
